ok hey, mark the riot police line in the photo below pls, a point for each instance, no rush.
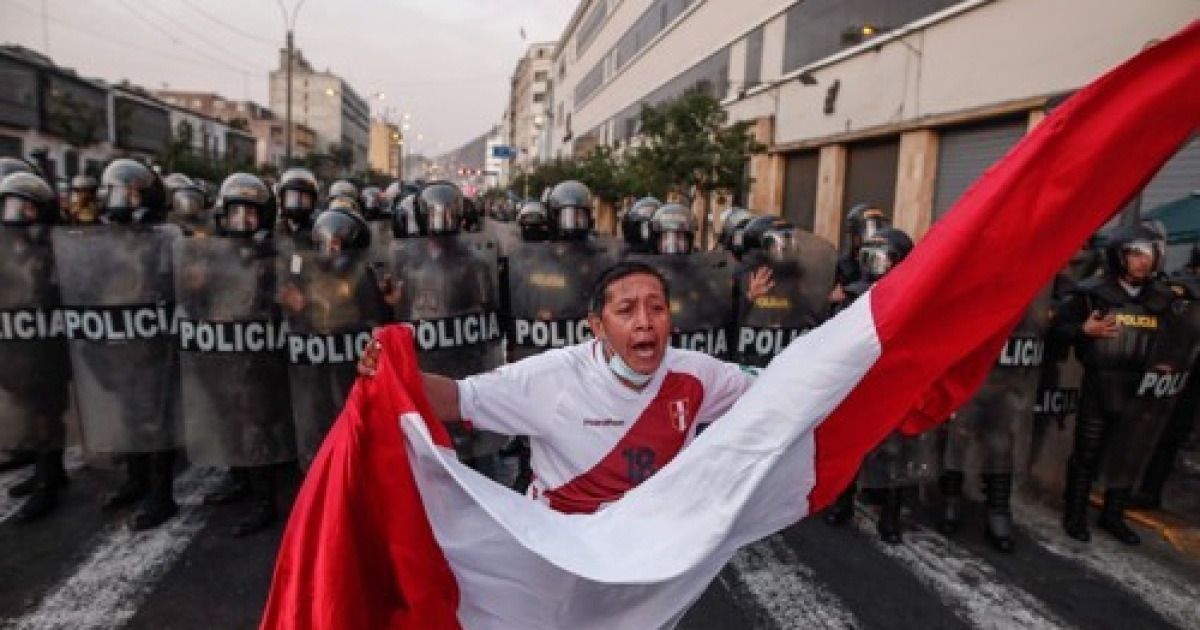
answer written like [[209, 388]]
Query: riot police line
[[258, 301]]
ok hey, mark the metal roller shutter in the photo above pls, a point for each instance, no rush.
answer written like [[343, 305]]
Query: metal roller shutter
[[965, 153], [800, 190]]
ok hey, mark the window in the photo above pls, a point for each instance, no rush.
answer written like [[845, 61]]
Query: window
[[539, 97], [541, 75], [754, 44]]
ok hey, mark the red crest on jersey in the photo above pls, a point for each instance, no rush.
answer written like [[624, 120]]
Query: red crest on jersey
[[679, 414]]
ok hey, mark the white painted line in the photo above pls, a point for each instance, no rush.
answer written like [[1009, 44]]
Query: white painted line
[[73, 461], [783, 589], [1174, 596], [106, 589], [966, 583]]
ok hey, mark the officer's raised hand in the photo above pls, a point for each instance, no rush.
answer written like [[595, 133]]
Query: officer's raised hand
[[1100, 326]]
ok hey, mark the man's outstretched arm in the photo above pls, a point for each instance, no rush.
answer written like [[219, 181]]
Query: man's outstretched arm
[[443, 396]]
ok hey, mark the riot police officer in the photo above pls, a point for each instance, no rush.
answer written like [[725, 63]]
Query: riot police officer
[[862, 222], [126, 371], [237, 412], [372, 203], [186, 205], [900, 462], [1112, 322], [997, 422], [634, 224], [35, 371], [570, 206], [298, 194], [343, 189], [81, 201]]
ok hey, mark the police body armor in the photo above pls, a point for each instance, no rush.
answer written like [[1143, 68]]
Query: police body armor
[[1160, 386], [34, 362], [237, 406], [325, 341], [449, 295], [796, 304], [701, 286], [118, 298], [549, 284], [997, 421]]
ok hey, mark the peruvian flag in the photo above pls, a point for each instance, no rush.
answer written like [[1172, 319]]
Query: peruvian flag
[[391, 531]]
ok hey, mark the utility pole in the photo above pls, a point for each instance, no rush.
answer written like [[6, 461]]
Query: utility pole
[[290, 23]]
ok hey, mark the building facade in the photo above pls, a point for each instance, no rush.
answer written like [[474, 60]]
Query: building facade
[[322, 101], [529, 117], [900, 104], [387, 147], [264, 125]]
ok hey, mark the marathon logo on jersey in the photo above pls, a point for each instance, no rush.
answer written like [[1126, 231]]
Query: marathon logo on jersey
[[1137, 321], [1162, 385], [1022, 352], [225, 337], [456, 332], [766, 342], [679, 414], [714, 342], [1056, 402], [119, 323], [555, 333], [313, 349], [31, 324]]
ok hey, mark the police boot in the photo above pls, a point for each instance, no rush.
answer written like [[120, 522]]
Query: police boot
[[50, 477], [842, 509], [236, 487], [1075, 502], [951, 484], [997, 490], [891, 500], [262, 512], [1112, 518], [159, 504], [137, 480]]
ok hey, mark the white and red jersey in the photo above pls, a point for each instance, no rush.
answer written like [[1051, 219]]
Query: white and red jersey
[[592, 438]]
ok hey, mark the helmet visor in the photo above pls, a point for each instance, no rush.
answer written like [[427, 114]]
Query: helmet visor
[[674, 243], [778, 244], [188, 202], [120, 197], [298, 201], [574, 219], [872, 225], [441, 220], [18, 211], [242, 218], [874, 261]]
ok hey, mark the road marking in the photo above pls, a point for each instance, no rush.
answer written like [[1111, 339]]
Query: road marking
[[1176, 597], [106, 589], [769, 578], [73, 461], [966, 583]]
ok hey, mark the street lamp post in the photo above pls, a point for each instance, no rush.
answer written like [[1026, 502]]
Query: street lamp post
[[290, 23]]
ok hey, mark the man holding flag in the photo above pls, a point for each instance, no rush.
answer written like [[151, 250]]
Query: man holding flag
[[391, 531]]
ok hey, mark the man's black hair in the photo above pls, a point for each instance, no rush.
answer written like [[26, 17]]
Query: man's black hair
[[616, 272]]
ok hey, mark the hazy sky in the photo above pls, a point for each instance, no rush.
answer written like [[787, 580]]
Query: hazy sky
[[446, 62]]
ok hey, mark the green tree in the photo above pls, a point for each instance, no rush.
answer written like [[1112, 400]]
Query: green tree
[[688, 147]]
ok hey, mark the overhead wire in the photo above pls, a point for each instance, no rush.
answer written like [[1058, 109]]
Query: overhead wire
[[177, 40], [229, 27]]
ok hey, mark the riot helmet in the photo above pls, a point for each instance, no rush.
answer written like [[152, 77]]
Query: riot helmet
[[770, 235], [439, 209], [882, 251], [391, 195], [1133, 240], [863, 221], [472, 221], [732, 221], [404, 218], [298, 196], [673, 230], [570, 206], [343, 188], [245, 206], [10, 165], [81, 199], [534, 222], [340, 236], [131, 193], [26, 199], [635, 222], [372, 203]]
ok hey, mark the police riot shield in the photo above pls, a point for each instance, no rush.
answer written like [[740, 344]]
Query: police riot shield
[[448, 293], [901, 460], [35, 366], [798, 302], [236, 403], [1158, 389], [701, 288], [506, 234], [549, 285], [381, 242], [118, 297], [991, 433], [330, 305]]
